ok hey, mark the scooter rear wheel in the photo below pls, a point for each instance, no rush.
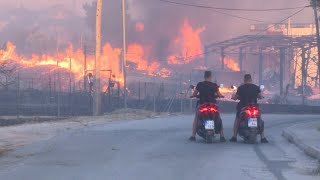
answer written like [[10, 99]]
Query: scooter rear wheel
[[209, 137]]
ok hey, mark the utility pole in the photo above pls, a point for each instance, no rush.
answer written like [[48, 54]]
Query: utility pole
[[124, 51], [315, 5], [97, 97], [85, 68]]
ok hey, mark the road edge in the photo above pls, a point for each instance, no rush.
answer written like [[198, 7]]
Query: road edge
[[308, 149]]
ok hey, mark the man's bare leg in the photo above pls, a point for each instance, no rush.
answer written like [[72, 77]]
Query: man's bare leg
[[222, 138], [263, 138], [194, 128], [235, 129]]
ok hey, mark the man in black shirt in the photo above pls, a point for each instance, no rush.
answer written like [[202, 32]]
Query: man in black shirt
[[247, 93], [208, 92]]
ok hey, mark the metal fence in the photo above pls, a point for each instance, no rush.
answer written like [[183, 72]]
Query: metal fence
[[60, 95]]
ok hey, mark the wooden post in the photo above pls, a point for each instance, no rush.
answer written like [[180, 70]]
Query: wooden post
[[97, 97]]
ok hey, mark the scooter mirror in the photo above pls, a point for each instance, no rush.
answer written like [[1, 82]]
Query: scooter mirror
[[233, 87], [262, 87]]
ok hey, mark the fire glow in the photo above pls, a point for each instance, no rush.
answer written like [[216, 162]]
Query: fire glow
[[185, 48], [232, 64], [188, 43]]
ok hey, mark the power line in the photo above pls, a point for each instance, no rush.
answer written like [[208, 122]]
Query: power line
[[239, 17], [233, 9]]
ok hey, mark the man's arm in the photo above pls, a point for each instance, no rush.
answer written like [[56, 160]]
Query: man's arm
[[260, 95], [195, 93], [236, 96]]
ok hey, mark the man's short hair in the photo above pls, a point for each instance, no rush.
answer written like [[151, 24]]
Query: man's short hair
[[207, 74], [247, 77]]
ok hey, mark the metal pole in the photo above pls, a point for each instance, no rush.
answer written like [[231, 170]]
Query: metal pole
[[154, 94], [85, 68], [50, 90], [109, 90], [59, 91], [303, 73], [186, 94], [181, 98], [97, 98], [222, 59], [124, 51], [70, 85], [315, 6], [241, 59], [206, 56], [282, 61], [260, 66], [18, 98], [139, 92]]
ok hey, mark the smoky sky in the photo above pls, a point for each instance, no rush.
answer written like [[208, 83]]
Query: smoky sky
[[163, 21]]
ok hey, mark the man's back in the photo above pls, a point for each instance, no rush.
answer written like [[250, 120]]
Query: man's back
[[248, 93], [207, 91]]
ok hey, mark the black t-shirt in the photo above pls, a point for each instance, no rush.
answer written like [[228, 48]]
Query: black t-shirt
[[207, 91], [248, 93]]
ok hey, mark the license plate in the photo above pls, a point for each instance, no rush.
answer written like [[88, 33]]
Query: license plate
[[209, 125], [253, 122]]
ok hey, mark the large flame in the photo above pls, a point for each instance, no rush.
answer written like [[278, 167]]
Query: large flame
[[232, 64], [188, 44], [184, 49], [136, 54], [69, 59]]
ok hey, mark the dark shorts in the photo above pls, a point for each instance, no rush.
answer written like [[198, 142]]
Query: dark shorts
[[238, 114], [239, 109]]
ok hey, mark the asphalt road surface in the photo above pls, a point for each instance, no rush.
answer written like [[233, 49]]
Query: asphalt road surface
[[159, 149]]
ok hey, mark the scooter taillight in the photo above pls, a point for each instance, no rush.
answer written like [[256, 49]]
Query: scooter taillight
[[252, 111], [206, 109]]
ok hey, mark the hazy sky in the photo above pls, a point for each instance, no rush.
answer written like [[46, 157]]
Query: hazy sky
[[31, 4], [138, 4]]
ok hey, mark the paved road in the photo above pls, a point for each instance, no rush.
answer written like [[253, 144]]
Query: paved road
[[158, 149]]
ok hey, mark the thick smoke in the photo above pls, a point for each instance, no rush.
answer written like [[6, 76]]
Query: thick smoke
[[162, 21]]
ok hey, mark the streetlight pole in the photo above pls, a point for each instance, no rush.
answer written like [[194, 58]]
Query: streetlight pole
[[97, 97], [315, 5], [124, 50]]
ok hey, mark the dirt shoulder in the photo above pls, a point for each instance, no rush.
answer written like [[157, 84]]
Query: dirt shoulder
[[12, 137]]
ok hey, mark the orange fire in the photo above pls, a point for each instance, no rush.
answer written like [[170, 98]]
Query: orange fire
[[136, 54], [232, 64], [226, 90], [188, 43], [139, 27], [110, 60]]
